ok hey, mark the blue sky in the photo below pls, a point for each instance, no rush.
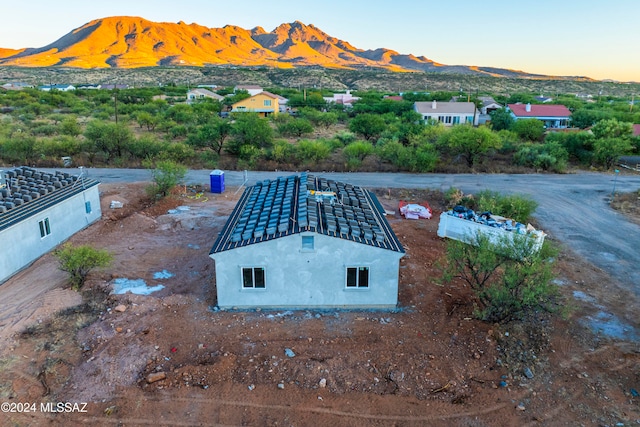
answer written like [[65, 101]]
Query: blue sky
[[598, 39]]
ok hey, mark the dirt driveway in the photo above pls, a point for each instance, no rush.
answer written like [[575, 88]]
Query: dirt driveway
[[169, 358]]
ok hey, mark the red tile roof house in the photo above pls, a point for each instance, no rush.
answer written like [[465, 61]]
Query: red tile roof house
[[553, 116], [636, 130]]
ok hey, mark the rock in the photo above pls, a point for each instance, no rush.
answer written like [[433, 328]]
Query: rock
[[121, 308], [322, 383], [281, 386], [520, 407], [118, 329], [503, 384], [251, 387], [289, 352], [156, 376], [527, 372]]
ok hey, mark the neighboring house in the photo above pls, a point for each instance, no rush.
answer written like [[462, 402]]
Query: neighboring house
[[88, 87], [15, 86], [345, 99], [553, 116], [264, 103], [488, 104], [448, 113], [60, 87], [636, 130], [252, 89], [307, 242], [543, 99], [199, 94], [40, 210], [114, 86], [393, 97]]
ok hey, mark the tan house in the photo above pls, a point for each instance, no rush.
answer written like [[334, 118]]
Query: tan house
[[264, 103], [199, 94]]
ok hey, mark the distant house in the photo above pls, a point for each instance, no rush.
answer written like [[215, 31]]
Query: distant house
[[40, 210], [307, 242], [488, 104], [200, 93], [88, 87], [636, 130], [60, 87], [252, 89], [264, 103], [448, 113], [114, 86], [543, 99], [393, 97], [15, 86], [345, 99], [553, 116]]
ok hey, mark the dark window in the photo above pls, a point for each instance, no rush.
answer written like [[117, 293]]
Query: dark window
[[357, 277], [45, 229], [87, 207], [253, 277]]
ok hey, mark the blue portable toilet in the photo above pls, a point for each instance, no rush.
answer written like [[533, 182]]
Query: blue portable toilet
[[217, 181]]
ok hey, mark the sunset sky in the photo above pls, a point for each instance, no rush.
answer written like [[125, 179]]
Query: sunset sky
[[597, 39]]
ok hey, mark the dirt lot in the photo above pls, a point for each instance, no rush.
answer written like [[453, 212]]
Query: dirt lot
[[170, 358]]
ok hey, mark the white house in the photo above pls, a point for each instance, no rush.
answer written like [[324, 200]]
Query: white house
[[307, 242], [448, 113], [252, 89], [60, 87], [345, 99], [199, 94], [40, 210]]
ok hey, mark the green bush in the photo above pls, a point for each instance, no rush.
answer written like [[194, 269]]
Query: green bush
[[551, 156], [508, 277], [512, 206], [79, 261], [166, 175], [313, 151]]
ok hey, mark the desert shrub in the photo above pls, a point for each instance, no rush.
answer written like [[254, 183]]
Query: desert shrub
[[146, 147], [345, 137], [18, 149], [513, 206], [69, 126], [508, 277], [357, 150], [283, 152], [295, 127], [426, 157], [313, 151], [607, 151], [551, 156], [177, 152], [166, 175], [44, 130], [79, 261]]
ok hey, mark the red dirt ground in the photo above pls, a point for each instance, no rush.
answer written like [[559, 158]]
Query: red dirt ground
[[427, 363]]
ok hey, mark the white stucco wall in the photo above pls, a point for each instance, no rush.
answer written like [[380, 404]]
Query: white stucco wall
[[297, 278], [22, 244]]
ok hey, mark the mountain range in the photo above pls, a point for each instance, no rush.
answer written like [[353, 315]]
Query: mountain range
[[133, 42]]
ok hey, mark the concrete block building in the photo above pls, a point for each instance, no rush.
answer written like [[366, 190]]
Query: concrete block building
[[40, 210], [307, 242]]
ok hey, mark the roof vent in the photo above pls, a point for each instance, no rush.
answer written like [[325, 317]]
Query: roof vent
[[527, 108]]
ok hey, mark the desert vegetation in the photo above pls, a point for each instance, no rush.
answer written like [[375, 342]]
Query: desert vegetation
[[141, 127]]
